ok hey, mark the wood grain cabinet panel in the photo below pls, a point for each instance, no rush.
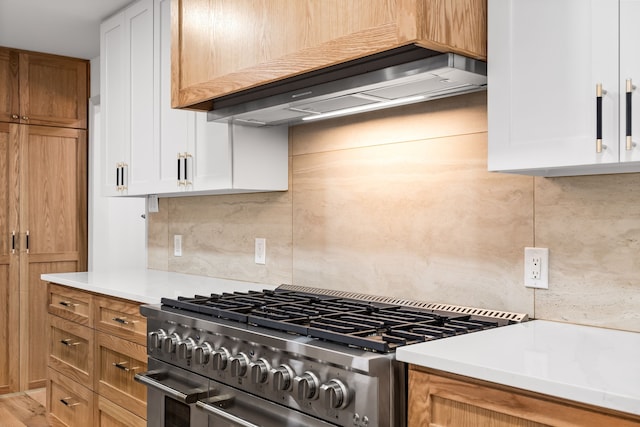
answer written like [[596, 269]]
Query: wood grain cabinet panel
[[71, 350], [69, 403], [43, 197], [285, 38], [120, 318], [71, 304], [441, 400], [43, 89], [118, 361], [99, 342], [109, 414]]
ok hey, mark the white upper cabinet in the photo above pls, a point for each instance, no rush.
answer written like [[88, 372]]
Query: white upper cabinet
[[127, 96], [547, 60], [150, 148]]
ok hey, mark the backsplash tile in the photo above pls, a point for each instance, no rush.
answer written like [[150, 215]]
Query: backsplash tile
[[399, 203]]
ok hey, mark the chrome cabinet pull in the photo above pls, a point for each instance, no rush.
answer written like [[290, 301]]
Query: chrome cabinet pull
[[629, 94], [599, 94]]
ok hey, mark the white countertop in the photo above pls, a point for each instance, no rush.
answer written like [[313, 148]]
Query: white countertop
[[148, 286], [591, 365]]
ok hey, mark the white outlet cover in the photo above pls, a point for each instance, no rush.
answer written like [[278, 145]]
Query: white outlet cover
[[531, 278], [261, 251], [177, 245]]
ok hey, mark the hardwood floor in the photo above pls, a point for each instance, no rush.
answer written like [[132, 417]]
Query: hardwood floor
[[23, 409]]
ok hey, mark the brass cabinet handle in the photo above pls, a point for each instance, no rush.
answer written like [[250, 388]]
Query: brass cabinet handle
[[122, 366], [13, 242], [68, 401], [599, 94], [15, 116], [629, 94], [69, 342], [123, 320], [68, 304], [26, 238]]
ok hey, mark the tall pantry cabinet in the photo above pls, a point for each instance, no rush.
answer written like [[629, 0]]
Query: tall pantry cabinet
[[43, 200]]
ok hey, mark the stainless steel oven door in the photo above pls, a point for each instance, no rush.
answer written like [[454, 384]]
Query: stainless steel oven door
[[179, 398]]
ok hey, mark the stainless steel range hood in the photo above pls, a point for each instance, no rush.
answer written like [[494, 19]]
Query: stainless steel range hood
[[395, 78]]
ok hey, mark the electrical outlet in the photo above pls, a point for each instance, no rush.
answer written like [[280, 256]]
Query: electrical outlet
[[261, 250], [177, 245], [536, 268]]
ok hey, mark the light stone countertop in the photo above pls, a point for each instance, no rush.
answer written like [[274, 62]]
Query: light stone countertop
[[148, 286], [585, 364]]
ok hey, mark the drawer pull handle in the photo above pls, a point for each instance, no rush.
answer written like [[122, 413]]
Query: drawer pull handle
[[122, 366], [68, 342], [122, 321], [68, 401], [67, 304]]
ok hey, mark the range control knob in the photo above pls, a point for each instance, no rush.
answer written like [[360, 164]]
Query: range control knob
[[170, 342], [239, 364], [220, 359], [334, 394], [282, 377], [259, 371], [185, 349], [306, 386], [202, 353], [155, 338]]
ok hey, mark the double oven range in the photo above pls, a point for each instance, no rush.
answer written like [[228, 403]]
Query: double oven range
[[293, 356]]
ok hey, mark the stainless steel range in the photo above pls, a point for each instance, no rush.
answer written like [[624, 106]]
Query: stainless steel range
[[294, 356]]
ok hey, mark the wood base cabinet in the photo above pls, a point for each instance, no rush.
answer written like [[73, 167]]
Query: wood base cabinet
[[284, 38], [437, 399], [96, 346]]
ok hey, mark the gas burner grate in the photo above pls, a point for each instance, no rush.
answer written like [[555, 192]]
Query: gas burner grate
[[373, 323]]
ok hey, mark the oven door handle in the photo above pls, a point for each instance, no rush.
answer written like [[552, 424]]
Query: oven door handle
[[223, 414], [154, 379]]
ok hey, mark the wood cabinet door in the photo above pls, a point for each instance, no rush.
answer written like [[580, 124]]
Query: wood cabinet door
[[9, 259], [53, 217], [221, 47], [53, 91], [9, 85], [542, 84]]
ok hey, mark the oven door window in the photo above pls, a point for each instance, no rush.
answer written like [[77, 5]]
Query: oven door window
[[176, 414]]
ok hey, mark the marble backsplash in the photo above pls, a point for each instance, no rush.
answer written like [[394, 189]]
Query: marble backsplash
[[399, 203]]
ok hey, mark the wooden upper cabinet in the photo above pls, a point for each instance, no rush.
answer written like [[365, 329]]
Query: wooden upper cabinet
[[42, 89], [221, 47]]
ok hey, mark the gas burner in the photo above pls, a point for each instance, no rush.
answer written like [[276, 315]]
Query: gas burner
[[370, 325]]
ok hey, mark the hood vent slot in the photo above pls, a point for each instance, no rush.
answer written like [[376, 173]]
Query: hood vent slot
[[401, 76]]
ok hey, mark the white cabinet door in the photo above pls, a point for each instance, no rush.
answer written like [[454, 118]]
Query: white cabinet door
[[140, 87], [176, 128], [127, 97], [545, 59], [114, 149], [629, 71]]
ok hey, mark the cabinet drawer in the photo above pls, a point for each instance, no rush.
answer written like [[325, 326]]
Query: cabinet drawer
[[120, 318], [69, 403], [108, 414], [71, 304], [71, 350], [118, 361]]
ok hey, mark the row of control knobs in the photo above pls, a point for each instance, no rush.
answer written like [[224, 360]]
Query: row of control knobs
[[334, 393]]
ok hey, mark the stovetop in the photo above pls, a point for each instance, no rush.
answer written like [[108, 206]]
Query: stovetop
[[373, 324]]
